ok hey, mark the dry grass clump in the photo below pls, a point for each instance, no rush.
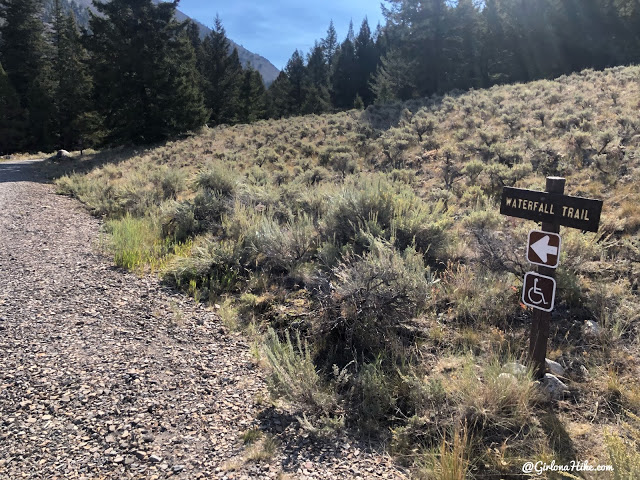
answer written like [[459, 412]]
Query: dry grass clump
[[364, 247]]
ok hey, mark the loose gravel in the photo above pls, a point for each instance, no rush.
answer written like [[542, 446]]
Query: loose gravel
[[106, 374]]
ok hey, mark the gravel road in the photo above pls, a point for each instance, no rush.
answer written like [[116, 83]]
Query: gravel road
[[105, 374]]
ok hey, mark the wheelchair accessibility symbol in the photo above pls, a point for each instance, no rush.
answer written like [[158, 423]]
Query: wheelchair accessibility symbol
[[539, 291]]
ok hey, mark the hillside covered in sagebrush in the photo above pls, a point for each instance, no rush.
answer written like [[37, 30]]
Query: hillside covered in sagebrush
[[364, 253]]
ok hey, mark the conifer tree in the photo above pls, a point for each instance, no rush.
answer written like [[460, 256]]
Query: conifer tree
[[343, 78], [13, 120], [252, 97], [393, 79], [317, 67], [22, 43], [222, 74], [330, 44], [316, 84], [193, 33], [76, 122], [23, 54], [144, 66], [366, 58], [295, 71], [279, 102], [461, 47]]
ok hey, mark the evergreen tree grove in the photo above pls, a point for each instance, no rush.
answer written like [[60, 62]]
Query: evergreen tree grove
[[24, 56], [76, 124], [13, 120], [149, 91]]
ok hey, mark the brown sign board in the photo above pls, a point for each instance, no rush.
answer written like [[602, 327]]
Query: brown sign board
[[539, 291], [544, 248], [575, 212]]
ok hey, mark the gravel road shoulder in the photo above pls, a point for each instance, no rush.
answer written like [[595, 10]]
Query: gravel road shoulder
[[105, 374]]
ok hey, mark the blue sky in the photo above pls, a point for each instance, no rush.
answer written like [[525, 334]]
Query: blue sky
[[274, 29]]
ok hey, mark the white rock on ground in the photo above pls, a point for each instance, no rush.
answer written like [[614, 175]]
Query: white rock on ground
[[591, 329], [554, 367], [515, 368], [554, 386]]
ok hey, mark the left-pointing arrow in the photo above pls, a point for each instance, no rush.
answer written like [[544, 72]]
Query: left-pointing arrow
[[543, 249]]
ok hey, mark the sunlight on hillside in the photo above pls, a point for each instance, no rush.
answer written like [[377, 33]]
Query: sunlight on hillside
[[364, 252]]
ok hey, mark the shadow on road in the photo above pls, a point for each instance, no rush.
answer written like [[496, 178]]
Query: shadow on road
[[47, 170], [20, 171]]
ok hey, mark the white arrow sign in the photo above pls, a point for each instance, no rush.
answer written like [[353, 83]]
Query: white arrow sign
[[542, 248]]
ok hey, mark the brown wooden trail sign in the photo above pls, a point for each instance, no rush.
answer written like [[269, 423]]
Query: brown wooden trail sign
[[553, 209], [575, 212]]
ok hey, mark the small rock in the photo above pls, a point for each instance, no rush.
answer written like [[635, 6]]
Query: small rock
[[515, 368], [554, 367], [148, 438], [177, 468], [591, 329], [554, 386], [155, 458], [507, 378], [118, 459]]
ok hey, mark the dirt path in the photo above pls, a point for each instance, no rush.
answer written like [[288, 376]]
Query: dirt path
[[107, 375]]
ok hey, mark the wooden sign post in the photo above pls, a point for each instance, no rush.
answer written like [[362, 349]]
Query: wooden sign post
[[553, 209]]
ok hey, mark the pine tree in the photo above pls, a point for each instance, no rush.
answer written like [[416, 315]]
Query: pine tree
[[366, 62], [222, 74], [317, 67], [461, 48], [22, 47], [13, 121], [330, 44], [343, 78], [252, 97], [23, 54], [393, 79], [144, 71], [75, 121], [193, 33], [295, 71], [316, 84], [279, 102]]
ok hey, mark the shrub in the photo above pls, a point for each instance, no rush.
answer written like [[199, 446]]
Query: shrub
[[374, 293], [374, 395], [293, 374], [214, 267], [479, 298], [389, 210], [178, 221], [209, 206], [171, 181], [624, 451], [472, 170], [217, 178], [494, 397], [282, 247]]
